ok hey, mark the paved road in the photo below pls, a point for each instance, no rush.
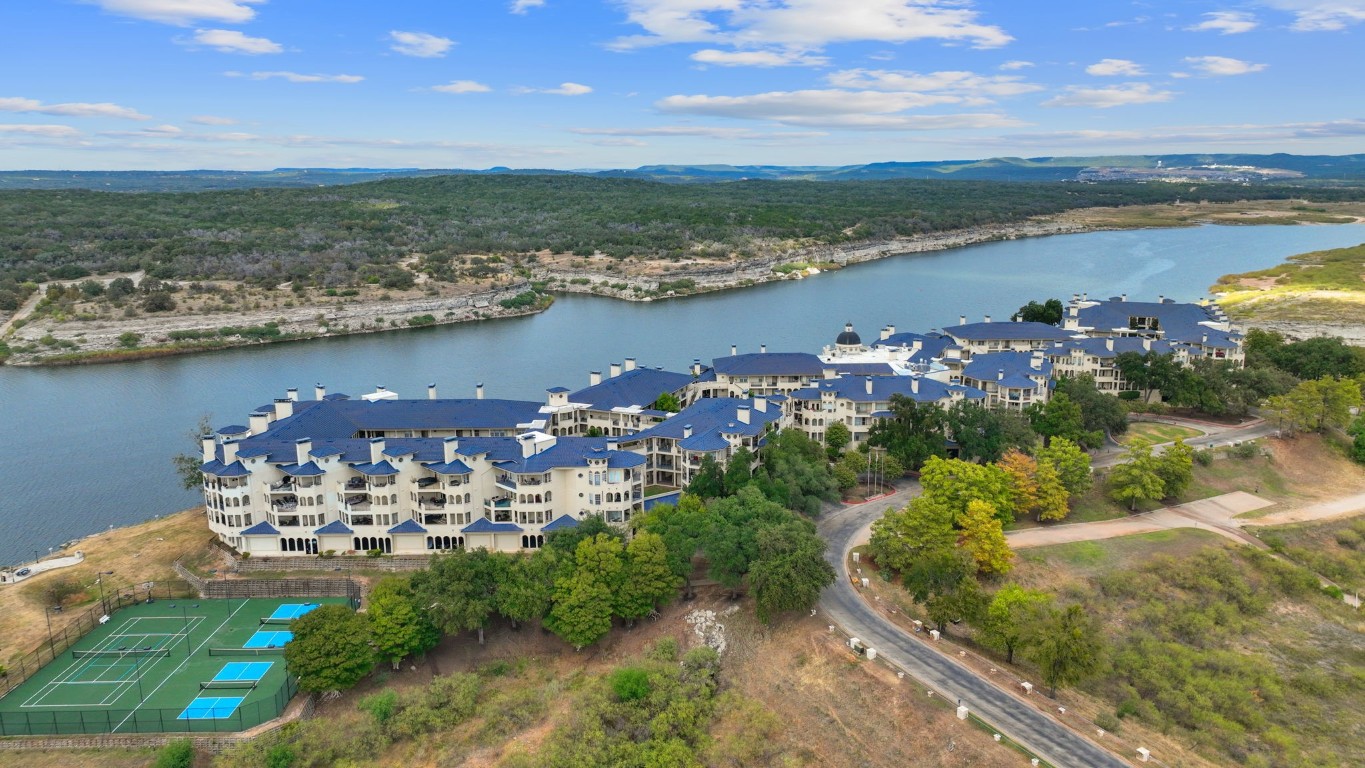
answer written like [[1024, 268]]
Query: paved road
[[1044, 736], [1215, 435]]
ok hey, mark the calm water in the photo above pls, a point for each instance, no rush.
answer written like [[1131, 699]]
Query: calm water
[[85, 448]]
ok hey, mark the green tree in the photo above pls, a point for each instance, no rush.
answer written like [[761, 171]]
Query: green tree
[[739, 470], [459, 587], [955, 483], [667, 402], [682, 527], [837, 435], [731, 540], [120, 288], [1138, 478], [649, 579], [587, 596], [178, 753], [1316, 405], [1061, 417], [790, 569], [709, 480], [1054, 503], [984, 538], [1008, 616], [796, 472], [985, 434], [1101, 412], [845, 477], [1175, 465], [331, 649], [1066, 645], [1050, 312], [924, 528], [527, 587], [913, 433], [962, 600], [1023, 476], [1072, 464], [187, 464], [398, 626]]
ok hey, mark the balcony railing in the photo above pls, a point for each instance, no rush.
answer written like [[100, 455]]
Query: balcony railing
[[286, 484], [432, 505], [428, 482]]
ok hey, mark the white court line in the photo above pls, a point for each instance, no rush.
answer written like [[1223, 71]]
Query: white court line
[[189, 656]]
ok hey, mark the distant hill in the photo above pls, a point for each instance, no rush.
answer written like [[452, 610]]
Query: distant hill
[[1315, 169]]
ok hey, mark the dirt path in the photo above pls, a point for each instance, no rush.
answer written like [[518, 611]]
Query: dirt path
[[32, 303]]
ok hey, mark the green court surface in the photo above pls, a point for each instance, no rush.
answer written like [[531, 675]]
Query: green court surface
[[174, 665]]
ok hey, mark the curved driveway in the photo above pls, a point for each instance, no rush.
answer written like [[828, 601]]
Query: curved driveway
[[842, 528]]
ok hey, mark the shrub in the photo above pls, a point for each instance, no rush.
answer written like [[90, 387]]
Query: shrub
[[1332, 591], [1243, 450], [280, 755], [129, 340], [665, 649], [177, 754], [421, 320], [630, 684], [381, 706], [1204, 457], [1108, 722]]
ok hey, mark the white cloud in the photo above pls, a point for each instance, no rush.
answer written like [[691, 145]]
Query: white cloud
[[621, 142], [420, 44], [522, 6], [705, 131], [758, 58], [72, 109], [564, 89], [295, 77], [1320, 15], [951, 86], [832, 108], [232, 41], [1220, 66], [1012, 66], [183, 12], [462, 86], [1115, 68], [1111, 96], [805, 24], [1226, 23], [44, 131], [212, 120]]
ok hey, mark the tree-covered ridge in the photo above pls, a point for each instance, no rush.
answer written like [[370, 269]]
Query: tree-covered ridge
[[342, 235]]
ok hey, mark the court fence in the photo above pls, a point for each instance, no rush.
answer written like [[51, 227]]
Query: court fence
[[145, 720], [59, 640], [237, 589]]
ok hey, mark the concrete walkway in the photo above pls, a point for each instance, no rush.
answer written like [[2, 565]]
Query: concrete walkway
[[50, 564]]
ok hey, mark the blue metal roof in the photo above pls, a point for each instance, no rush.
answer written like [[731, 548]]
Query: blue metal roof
[[303, 470], [348, 418], [987, 367], [1177, 322], [563, 522], [219, 469], [640, 387], [706, 442], [336, 526], [408, 526], [883, 387], [714, 413], [571, 452], [399, 450], [456, 467], [862, 369], [557, 390], [1022, 331], [382, 469], [233, 429], [484, 525], [261, 529], [769, 364]]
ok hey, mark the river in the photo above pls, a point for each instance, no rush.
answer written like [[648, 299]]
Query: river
[[85, 448]]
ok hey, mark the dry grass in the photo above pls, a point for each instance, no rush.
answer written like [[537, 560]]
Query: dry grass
[[1189, 214], [79, 758], [135, 554]]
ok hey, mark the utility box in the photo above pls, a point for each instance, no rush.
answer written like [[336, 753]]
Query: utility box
[[871, 654]]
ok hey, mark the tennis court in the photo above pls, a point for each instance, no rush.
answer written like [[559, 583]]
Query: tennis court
[[287, 613], [157, 666]]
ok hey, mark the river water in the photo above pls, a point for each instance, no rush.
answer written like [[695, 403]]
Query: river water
[[85, 448]]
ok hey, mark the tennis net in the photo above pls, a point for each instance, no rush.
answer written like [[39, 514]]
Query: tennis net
[[246, 651], [117, 654], [215, 684], [275, 621]]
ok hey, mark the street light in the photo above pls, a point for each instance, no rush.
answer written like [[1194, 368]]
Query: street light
[[99, 580], [47, 614]]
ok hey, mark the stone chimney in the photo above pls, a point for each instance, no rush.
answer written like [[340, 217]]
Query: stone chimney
[[229, 451], [210, 446], [293, 394], [319, 391], [1161, 299], [284, 408], [630, 364], [742, 414], [614, 370], [259, 422], [761, 404], [478, 391], [891, 329], [867, 384], [448, 448], [376, 450], [431, 391], [687, 431], [301, 448], [829, 373], [594, 378], [611, 445]]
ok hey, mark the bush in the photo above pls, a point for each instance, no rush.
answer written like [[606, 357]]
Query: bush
[[177, 754], [381, 706], [129, 340], [630, 684], [1332, 591], [664, 649], [280, 755], [421, 320], [1243, 450], [1204, 457], [1108, 722]]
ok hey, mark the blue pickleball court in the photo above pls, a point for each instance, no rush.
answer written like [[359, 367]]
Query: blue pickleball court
[[211, 708], [268, 639]]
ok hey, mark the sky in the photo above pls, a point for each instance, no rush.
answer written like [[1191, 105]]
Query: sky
[[260, 84]]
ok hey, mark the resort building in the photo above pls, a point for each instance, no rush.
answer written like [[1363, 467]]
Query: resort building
[[1202, 329], [760, 374], [859, 401], [715, 427], [622, 404]]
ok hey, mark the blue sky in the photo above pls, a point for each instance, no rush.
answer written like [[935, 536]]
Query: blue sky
[[258, 84]]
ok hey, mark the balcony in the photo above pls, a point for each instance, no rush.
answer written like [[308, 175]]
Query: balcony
[[284, 486], [356, 484], [357, 503], [428, 483], [507, 482], [434, 519], [434, 505], [287, 504]]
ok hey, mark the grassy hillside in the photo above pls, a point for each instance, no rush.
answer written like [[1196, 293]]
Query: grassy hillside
[[1322, 286]]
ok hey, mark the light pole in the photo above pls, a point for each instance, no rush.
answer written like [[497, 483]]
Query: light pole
[[47, 614], [99, 579]]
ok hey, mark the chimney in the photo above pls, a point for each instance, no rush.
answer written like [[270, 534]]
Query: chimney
[[1204, 339], [319, 391], [229, 451], [734, 350], [1000, 374], [1161, 298], [259, 422], [988, 318], [763, 348], [1146, 344], [742, 414], [594, 378], [1075, 297], [867, 384], [630, 364], [696, 366], [301, 448], [891, 329], [687, 431], [478, 391], [611, 445], [284, 408], [1123, 297], [376, 450], [528, 445], [1109, 344], [210, 446], [448, 448], [1085, 297], [431, 391], [1073, 311], [293, 394], [829, 373], [886, 334], [615, 370], [915, 346], [761, 404], [961, 319], [1037, 360], [914, 385]]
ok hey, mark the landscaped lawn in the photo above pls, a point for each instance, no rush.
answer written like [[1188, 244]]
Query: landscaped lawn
[[655, 490], [1152, 433]]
